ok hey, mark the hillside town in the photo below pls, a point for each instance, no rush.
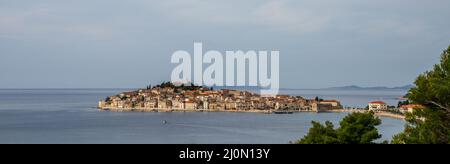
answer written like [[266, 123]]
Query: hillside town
[[169, 97]]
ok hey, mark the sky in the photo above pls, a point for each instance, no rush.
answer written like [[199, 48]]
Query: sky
[[128, 44]]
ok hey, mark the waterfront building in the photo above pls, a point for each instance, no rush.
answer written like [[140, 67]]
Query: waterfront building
[[162, 104], [318, 107], [378, 106], [101, 104], [189, 104], [410, 108], [334, 103], [177, 104], [151, 104]]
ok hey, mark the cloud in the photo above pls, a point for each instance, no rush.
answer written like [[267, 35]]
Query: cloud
[[278, 14], [198, 11], [275, 16], [293, 16], [400, 27], [13, 21], [40, 22], [269, 14], [93, 32]]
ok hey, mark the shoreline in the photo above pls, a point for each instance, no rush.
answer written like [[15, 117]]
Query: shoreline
[[379, 114]]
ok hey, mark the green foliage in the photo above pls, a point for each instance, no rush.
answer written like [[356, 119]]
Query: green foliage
[[400, 103], [432, 124], [359, 128], [318, 99], [433, 87], [427, 126], [169, 84], [108, 100], [356, 128], [320, 134]]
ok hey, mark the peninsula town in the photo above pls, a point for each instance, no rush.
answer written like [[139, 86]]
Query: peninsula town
[[169, 97]]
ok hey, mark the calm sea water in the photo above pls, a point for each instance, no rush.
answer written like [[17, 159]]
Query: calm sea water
[[69, 116]]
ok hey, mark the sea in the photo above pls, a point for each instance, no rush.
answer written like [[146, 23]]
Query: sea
[[69, 116]]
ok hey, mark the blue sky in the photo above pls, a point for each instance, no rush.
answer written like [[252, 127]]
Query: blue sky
[[122, 44]]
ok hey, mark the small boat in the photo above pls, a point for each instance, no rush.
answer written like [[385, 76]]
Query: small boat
[[164, 122], [268, 112]]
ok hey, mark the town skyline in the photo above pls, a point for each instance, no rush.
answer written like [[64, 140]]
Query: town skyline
[[167, 97]]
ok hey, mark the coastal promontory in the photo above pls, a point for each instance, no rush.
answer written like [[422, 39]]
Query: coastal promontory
[[189, 97]]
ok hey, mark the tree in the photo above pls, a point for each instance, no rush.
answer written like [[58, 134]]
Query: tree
[[432, 124], [400, 103], [356, 128], [426, 126], [320, 134], [318, 99], [359, 128]]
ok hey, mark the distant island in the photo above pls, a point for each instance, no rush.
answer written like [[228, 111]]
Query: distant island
[[355, 87], [349, 87], [167, 97]]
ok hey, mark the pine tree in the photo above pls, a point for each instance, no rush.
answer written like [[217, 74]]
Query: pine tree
[[356, 128], [430, 125]]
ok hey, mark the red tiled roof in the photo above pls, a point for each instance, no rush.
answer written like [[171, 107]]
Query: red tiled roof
[[377, 102]]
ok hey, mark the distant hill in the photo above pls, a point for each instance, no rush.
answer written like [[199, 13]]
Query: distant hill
[[355, 87]]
